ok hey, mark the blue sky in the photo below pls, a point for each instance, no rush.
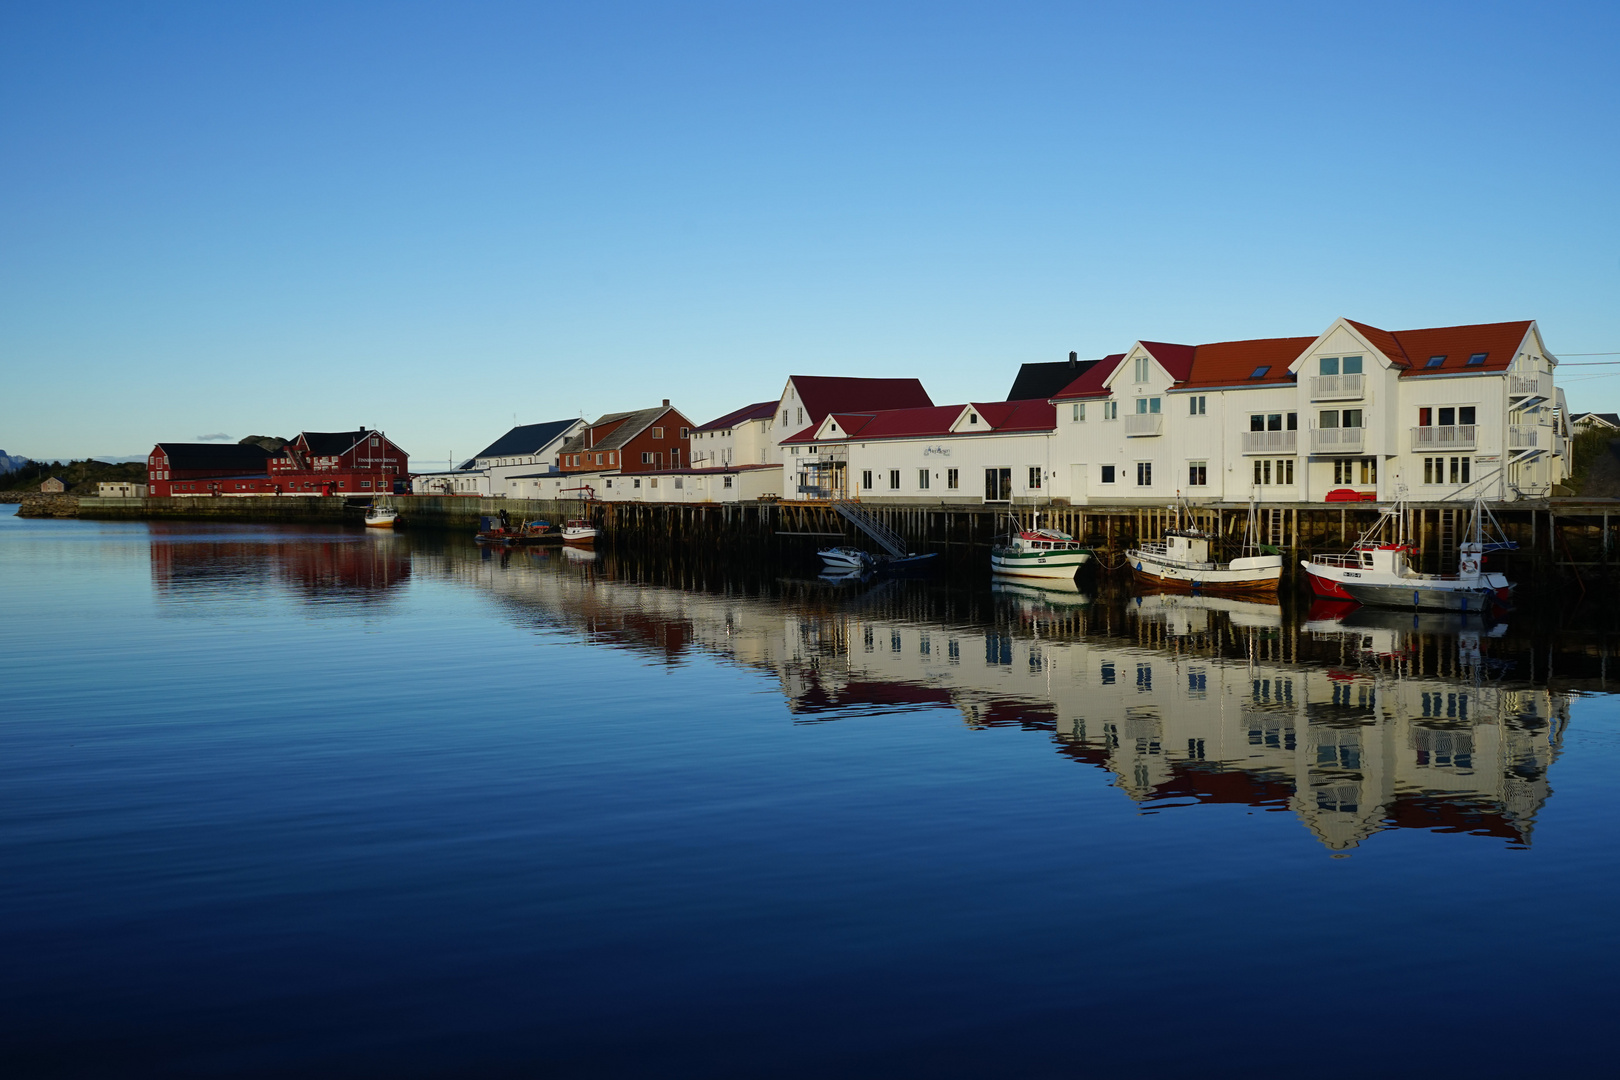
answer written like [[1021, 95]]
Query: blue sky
[[260, 218]]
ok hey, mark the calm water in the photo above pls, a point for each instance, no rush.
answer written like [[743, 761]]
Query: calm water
[[315, 802]]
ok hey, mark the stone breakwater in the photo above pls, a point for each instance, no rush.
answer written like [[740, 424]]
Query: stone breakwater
[[36, 505]]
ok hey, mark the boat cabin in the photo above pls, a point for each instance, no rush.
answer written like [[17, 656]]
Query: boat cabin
[[1186, 548]]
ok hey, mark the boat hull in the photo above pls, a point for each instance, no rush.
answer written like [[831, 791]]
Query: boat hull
[[1473, 600], [1423, 592], [388, 524], [1259, 579], [582, 539], [1057, 564]]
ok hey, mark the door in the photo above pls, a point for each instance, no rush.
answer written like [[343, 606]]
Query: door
[[998, 485], [1077, 484]]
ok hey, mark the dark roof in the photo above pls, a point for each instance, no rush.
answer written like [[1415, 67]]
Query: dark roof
[[204, 456], [760, 410], [526, 439], [1044, 380], [1091, 383], [1612, 419], [331, 443]]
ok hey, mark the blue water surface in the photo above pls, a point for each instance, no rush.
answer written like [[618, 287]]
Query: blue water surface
[[283, 801]]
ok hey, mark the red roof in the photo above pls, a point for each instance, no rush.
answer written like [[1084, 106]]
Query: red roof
[[1498, 341], [1091, 383], [762, 410], [823, 394], [1176, 359], [999, 417], [1233, 363]]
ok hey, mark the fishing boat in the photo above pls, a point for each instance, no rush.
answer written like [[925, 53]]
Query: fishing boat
[[578, 531], [498, 531], [381, 517], [1038, 553], [1181, 562], [1377, 571], [847, 558]]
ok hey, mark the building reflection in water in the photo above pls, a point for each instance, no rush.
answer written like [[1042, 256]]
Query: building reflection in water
[[342, 567], [1352, 720]]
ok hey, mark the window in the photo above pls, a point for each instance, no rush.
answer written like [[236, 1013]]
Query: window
[[1146, 405], [1460, 470], [1034, 478], [866, 479], [726, 483], [998, 485], [1285, 471], [1196, 404], [1144, 474], [1448, 417], [1260, 372], [894, 479], [1197, 474], [1328, 365], [686, 433], [973, 418], [1110, 410], [675, 457], [784, 417], [376, 442], [922, 479], [363, 483], [1435, 361], [801, 414], [1465, 415], [658, 433], [652, 482], [1107, 474], [646, 458], [1079, 414], [950, 479], [1141, 369], [679, 483], [1477, 359], [1262, 471], [1352, 365], [612, 458], [1351, 418]]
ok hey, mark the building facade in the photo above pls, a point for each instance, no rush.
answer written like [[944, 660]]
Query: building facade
[[185, 469], [359, 462], [527, 450]]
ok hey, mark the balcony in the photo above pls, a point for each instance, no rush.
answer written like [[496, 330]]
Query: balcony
[[1337, 387], [1343, 440], [1450, 437], [1537, 385], [1523, 437], [1270, 442], [1141, 424]]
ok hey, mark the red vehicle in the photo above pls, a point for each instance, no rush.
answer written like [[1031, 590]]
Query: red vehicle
[[1351, 495]]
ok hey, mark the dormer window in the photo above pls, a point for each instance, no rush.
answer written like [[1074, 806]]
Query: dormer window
[[1477, 359], [1260, 372], [1435, 361]]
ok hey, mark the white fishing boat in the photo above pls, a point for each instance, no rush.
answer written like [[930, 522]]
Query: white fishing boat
[[578, 531], [1377, 570], [1038, 553], [381, 517], [847, 558], [1181, 562]]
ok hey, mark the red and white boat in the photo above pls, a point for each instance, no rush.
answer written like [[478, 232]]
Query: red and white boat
[[578, 531], [1376, 570]]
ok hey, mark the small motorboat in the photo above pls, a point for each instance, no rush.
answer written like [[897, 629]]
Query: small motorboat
[[578, 531], [381, 517], [847, 558], [500, 532], [1038, 553], [1376, 569]]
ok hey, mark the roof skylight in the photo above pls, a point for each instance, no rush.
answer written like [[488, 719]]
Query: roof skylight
[[1477, 359], [1260, 372], [1436, 361]]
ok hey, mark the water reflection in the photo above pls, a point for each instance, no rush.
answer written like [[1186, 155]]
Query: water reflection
[[1353, 721], [338, 567]]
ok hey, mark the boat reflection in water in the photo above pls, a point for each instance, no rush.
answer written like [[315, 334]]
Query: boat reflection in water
[[1353, 721], [228, 563]]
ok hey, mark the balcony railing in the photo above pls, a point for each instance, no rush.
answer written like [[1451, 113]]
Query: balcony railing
[[1138, 424], [1337, 387], [1539, 385], [1449, 437], [1270, 442], [1523, 437], [1343, 440]]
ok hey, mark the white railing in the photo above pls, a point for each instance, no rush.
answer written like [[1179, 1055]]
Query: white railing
[[1344, 440], [1336, 387], [1521, 437], [1137, 424], [1270, 442], [1537, 385], [1449, 437]]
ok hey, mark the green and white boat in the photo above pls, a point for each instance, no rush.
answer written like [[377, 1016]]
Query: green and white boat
[[1038, 553]]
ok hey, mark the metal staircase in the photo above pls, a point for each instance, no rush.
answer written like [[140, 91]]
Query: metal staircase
[[864, 520]]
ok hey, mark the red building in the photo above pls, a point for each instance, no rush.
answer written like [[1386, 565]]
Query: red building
[[358, 462], [207, 469], [646, 440]]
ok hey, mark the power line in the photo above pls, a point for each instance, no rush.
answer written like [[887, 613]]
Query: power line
[[1590, 354]]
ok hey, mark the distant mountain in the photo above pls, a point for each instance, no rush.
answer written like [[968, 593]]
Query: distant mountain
[[11, 462]]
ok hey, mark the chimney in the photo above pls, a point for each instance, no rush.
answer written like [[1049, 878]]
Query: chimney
[[1074, 358], [666, 403]]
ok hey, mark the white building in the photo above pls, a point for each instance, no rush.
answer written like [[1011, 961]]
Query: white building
[[807, 400], [525, 450], [120, 489], [744, 437]]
